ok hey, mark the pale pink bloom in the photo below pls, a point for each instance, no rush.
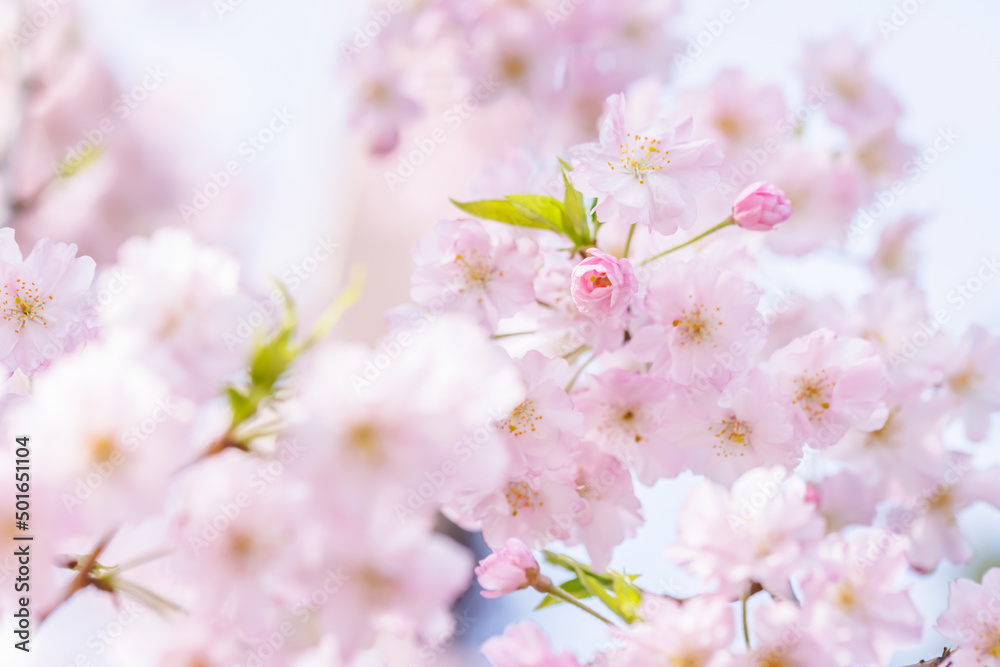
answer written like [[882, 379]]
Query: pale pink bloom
[[524, 645], [746, 428], [710, 320], [896, 255], [44, 302], [738, 113], [603, 285], [972, 621], [650, 176], [181, 303], [761, 207], [761, 530], [508, 569], [844, 499], [854, 603], [625, 416], [783, 640], [411, 421], [884, 157], [854, 100], [460, 268], [535, 509], [543, 430], [697, 632], [825, 193], [972, 380], [607, 511], [896, 454], [120, 435], [402, 579], [893, 317], [382, 104], [929, 518], [831, 383]]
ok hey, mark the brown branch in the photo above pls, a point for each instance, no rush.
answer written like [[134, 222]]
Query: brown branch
[[84, 577], [935, 662]]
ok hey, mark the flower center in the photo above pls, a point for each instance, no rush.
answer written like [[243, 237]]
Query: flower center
[[963, 381], [477, 271], [364, 439], [685, 660], [641, 155], [770, 658], [102, 449], [990, 642], [813, 394], [732, 437], [22, 304], [601, 280], [695, 326], [885, 436], [521, 420], [845, 597], [521, 496]]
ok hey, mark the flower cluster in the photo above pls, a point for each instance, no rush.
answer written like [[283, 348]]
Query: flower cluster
[[559, 356]]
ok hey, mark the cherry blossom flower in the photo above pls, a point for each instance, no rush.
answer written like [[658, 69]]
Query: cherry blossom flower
[[761, 207], [697, 632], [972, 379], [930, 517], [854, 601], [710, 321], [746, 428], [607, 511], [624, 415], [460, 268], [650, 176], [831, 383], [508, 569], [783, 640], [43, 302], [759, 531], [181, 304], [603, 285], [524, 645], [972, 621]]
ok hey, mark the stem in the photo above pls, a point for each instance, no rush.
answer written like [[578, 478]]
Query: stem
[[516, 333], [557, 592], [628, 241], [576, 376], [85, 576], [711, 230], [746, 628]]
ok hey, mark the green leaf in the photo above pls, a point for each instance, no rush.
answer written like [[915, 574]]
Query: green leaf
[[542, 208], [573, 587], [628, 597], [502, 210], [576, 211]]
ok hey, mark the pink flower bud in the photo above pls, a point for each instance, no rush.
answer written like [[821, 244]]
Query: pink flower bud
[[507, 570], [760, 207], [603, 285]]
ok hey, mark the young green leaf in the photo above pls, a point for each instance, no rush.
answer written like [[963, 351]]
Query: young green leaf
[[502, 210]]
